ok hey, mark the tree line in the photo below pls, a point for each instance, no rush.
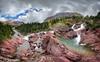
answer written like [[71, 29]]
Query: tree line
[[6, 30]]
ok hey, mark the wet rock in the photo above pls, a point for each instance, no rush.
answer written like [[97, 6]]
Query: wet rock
[[53, 59], [89, 59], [53, 50], [73, 56], [70, 35], [58, 50]]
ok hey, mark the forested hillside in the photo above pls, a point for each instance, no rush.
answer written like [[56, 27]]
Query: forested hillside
[[5, 31], [92, 22]]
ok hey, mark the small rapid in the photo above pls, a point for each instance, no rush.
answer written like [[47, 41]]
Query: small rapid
[[74, 44]]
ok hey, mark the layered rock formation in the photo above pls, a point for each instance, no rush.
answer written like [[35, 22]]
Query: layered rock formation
[[46, 47]]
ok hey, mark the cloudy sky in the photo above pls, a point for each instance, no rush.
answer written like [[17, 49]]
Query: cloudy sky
[[38, 10]]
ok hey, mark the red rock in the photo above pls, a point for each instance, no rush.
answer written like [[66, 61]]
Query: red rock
[[8, 47], [73, 56], [53, 47], [53, 59], [89, 37], [61, 59], [70, 34], [89, 59]]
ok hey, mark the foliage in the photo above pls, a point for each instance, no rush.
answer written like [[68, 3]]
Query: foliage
[[91, 21], [5, 31], [32, 27]]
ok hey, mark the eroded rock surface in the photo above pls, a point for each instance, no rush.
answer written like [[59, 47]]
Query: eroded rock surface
[[46, 47]]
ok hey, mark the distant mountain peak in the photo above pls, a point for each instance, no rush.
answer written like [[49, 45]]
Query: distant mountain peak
[[64, 14]]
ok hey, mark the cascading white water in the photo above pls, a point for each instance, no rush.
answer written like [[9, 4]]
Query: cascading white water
[[74, 44], [78, 31], [78, 38]]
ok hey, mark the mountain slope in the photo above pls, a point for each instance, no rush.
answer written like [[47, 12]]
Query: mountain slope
[[64, 14]]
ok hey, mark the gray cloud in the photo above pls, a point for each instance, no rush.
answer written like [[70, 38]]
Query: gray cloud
[[50, 7]]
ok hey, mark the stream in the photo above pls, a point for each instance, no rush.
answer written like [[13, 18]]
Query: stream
[[74, 44], [71, 45]]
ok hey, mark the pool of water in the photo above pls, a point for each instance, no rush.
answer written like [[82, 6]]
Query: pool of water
[[71, 45]]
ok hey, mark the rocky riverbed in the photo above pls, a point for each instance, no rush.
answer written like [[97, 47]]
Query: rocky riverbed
[[46, 47]]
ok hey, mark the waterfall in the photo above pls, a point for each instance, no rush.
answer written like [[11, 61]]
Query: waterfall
[[78, 38], [78, 31]]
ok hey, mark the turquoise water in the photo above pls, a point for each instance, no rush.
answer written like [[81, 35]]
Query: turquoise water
[[71, 45]]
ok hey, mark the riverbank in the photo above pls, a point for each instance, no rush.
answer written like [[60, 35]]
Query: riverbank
[[47, 46]]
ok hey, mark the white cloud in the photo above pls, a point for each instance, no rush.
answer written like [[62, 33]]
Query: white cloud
[[50, 7]]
